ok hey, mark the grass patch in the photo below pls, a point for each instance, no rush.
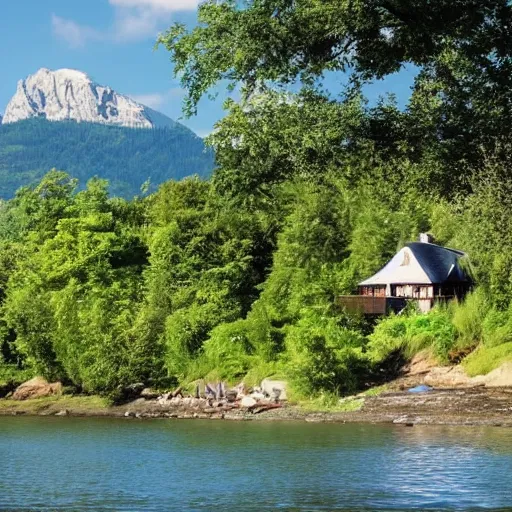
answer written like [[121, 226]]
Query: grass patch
[[53, 404], [330, 402], [485, 359], [376, 391], [350, 405]]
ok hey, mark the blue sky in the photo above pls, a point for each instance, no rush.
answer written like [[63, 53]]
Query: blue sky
[[112, 41]]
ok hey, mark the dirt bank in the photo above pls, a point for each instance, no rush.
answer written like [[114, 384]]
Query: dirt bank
[[472, 406]]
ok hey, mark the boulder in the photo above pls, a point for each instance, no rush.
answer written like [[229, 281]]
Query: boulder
[[231, 395], [448, 377], [177, 392], [196, 402], [131, 391], [241, 390], [275, 389], [421, 363], [501, 377], [36, 388], [202, 403], [248, 401], [149, 394]]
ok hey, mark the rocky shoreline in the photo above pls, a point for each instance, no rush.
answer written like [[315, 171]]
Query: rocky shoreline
[[447, 397], [477, 406]]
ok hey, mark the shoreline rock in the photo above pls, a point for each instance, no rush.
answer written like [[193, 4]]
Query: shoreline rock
[[37, 388]]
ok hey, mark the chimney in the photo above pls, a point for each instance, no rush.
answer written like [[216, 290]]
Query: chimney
[[426, 238]]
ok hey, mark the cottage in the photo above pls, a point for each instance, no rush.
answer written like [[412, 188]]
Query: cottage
[[420, 271]]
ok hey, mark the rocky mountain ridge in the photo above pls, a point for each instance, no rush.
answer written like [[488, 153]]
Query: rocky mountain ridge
[[68, 94]]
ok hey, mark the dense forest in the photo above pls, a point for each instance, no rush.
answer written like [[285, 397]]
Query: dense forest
[[237, 277], [127, 157]]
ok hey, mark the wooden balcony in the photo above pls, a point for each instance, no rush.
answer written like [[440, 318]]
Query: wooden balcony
[[371, 305]]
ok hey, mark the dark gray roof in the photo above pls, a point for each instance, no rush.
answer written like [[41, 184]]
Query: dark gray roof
[[440, 263]]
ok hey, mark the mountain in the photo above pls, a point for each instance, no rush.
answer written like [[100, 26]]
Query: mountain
[[68, 94], [62, 119], [127, 157]]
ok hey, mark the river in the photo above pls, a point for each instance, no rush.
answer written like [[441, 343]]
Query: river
[[89, 464]]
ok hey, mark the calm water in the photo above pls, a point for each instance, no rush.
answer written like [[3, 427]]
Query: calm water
[[107, 464]]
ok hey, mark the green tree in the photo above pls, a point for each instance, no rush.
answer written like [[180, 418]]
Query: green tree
[[283, 41]]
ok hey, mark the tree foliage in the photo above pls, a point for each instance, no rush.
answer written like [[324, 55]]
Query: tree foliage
[[238, 277], [283, 41]]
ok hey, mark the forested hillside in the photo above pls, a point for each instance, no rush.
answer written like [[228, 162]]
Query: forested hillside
[[236, 277], [126, 157]]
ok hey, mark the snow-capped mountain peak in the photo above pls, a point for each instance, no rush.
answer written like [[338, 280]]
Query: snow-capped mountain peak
[[69, 94]]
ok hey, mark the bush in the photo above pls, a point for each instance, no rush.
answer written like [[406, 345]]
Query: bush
[[324, 356], [497, 328], [389, 335], [11, 374], [185, 332], [432, 330], [468, 318], [412, 333], [228, 351], [485, 359], [264, 369]]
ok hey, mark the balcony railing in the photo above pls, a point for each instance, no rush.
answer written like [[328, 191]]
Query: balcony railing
[[370, 305]]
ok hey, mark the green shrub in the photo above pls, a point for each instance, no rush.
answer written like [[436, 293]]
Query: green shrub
[[485, 359], [185, 332], [389, 335], [228, 351], [11, 374], [432, 330], [264, 369], [497, 328], [413, 333], [265, 338], [324, 356], [468, 318]]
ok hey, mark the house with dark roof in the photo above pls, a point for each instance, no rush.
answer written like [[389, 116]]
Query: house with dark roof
[[422, 272]]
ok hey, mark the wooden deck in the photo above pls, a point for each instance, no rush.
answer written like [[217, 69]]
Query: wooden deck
[[371, 305]]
